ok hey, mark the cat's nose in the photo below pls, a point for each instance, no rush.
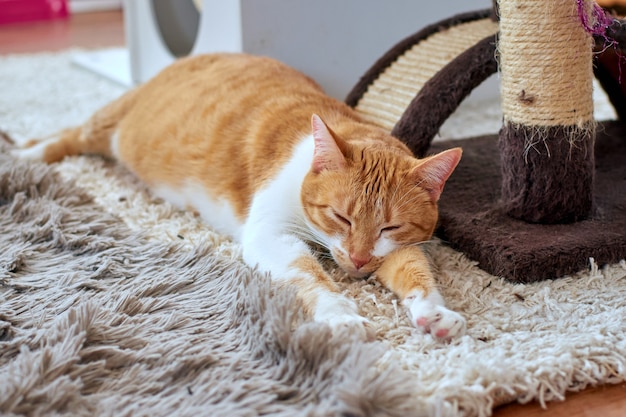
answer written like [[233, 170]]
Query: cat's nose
[[359, 260]]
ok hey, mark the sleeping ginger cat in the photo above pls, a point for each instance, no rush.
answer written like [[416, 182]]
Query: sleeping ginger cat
[[265, 156]]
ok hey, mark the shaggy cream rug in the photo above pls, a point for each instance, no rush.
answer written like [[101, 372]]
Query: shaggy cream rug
[[114, 303]]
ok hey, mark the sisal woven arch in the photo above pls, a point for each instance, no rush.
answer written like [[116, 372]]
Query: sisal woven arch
[[399, 95], [387, 97], [402, 80]]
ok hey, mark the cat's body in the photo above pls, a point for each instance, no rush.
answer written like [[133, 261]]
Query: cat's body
[[263, 155]]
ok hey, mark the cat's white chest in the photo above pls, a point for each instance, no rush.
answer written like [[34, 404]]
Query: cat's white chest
[[276, 205], [273, 233]]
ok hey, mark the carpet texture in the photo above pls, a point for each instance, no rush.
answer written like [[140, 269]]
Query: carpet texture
[[99, 320], [114, 303]]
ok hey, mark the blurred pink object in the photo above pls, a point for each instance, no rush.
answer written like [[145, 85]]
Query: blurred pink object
[[12, 11]]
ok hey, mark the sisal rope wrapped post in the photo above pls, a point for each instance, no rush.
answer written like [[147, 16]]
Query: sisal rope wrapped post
[[547, 139]]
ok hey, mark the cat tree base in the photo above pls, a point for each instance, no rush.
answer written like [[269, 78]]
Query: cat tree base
[[473, 221]]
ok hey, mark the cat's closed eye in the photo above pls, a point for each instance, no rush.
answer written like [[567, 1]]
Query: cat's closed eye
[[389, 228], [342, 219]]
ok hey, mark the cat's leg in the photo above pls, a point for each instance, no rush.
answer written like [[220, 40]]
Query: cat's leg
[[290, 262], [95, 136], [407, 273], [49, 149]]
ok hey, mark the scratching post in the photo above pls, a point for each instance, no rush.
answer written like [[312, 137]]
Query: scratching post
[[546, 193], [546, 142]]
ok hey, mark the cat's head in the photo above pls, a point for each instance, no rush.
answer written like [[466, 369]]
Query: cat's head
[[364, 199]]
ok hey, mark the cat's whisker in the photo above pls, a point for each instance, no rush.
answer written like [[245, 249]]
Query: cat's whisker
[[320, 254], [407, 200], [307, 233], [423, 242], [398, 185]]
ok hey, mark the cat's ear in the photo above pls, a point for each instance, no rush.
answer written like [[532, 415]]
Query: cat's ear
[[435, 170], [328, 154]]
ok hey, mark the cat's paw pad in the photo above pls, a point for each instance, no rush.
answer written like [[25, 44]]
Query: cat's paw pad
[[441, 323]]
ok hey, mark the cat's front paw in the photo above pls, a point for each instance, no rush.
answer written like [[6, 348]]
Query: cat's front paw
[[434, 318], [340, 325], [342, 317]]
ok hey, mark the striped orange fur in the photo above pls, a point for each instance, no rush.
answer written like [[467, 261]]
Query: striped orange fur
[[262, 153]]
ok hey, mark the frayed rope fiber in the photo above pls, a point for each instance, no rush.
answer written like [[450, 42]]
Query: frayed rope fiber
[[595, 21]]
